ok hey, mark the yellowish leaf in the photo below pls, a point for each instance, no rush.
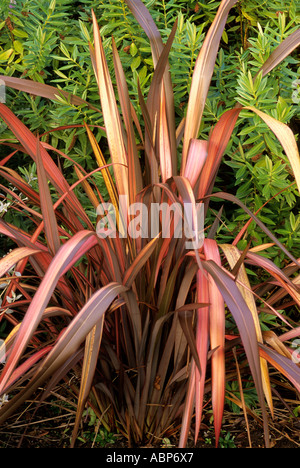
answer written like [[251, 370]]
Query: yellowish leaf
[[287, 140], [232, 255]]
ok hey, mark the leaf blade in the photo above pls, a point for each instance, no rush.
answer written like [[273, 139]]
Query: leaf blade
[[287, 139], [244, 321], [203, 72], [14, 257], [49, 217], [232, 254], [110, 114], [43, 90], [217, 338], [283, 50], [63, 260]]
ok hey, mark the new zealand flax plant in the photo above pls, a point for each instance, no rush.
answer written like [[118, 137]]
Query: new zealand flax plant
[[142, 317]]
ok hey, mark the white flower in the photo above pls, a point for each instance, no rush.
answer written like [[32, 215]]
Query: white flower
[[7, 311], [3, 207], [13, 298], [3, 399]]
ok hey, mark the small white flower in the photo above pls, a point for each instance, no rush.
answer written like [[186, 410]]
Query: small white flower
[[296, 343], [3, 400], [3, 207], [13, 298], [7, 311]]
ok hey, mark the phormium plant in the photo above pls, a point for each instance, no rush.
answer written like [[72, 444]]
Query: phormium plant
[[144, 317]]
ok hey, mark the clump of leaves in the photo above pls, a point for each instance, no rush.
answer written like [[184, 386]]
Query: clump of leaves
[[227, 441], [96, 434], [143, 317]]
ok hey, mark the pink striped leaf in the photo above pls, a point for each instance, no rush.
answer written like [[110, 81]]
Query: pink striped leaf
[[62, 262], [202, 75], [244, 321], [282, 363], [195, 161], [14, 257], [217, 337]]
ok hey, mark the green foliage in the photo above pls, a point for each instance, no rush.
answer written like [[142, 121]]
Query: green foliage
[[227, 441], [96, 434], [50, 50], [51, 46], [31, 30], [258, 167], [249, 395], [103, 438]]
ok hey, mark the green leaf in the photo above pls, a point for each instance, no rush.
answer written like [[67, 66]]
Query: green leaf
[[18, 47], [4, 56], [19, 33], [135, 63], [133, 49]]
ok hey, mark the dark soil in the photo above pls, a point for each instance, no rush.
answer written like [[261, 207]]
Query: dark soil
[[51, 427]]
